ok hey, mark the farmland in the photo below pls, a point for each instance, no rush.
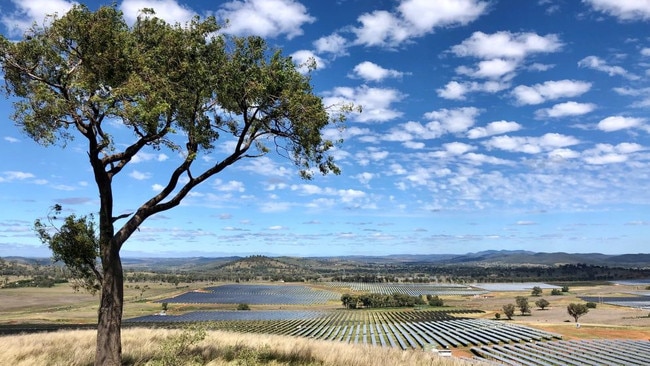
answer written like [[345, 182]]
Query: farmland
[[467, 332], [467, 324]]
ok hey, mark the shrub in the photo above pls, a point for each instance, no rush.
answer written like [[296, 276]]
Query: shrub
[[497, 316], [178, 349], [243, 306], [591, 305], [556, 292]]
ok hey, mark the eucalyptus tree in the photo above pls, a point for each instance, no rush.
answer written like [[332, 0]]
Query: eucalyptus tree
[[189, 88]]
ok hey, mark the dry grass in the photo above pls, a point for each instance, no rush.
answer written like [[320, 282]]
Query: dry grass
[[145, 347]]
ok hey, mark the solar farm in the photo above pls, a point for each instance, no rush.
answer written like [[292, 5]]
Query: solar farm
[[317, 314]]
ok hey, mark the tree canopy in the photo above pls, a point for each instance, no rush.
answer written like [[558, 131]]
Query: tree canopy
[[187, 88]]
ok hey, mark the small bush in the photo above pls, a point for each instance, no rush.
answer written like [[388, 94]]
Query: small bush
[[243, 306], [497, 316], [591, 305]]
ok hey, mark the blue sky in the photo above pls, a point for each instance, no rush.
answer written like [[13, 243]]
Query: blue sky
[[486, 125]]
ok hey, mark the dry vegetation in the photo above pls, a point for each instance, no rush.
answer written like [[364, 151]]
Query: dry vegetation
[[152, 347]]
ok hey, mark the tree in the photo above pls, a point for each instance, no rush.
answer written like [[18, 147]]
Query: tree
[[577, 310], [536, 291], [556, 292], [184, 88], [509, 310], [75, 244], [542, 303], [522, 304]]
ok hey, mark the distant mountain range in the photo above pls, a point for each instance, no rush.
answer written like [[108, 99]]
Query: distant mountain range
[[483, 258]]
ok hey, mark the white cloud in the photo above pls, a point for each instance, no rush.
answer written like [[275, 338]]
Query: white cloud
[[376, 102], [168, 10], [9, 176], [334, 44], [506, 45], [451, 120], [425, 15], [157, 187], [598, 64], [414, 18], [615, 123], [531, 145], [455, 90], [478, 159], [372, 72], [11, 140], [230, 186], [565, 109], [265, 18], [550, 90], [610, 154], [28, 12], [493, 128], [266, 167], [145, 156], [623, 9], [365, 177], [489, 69], [304, 58], [138, 175], [457, 148]]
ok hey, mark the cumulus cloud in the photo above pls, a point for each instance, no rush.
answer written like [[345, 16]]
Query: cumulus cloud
[[489, 69], [493, 128], [230, 186], [610, 154], [531, 145], [265, 18], [456, 90], [615, 123], [506, 45], [304, 58], [13, 175], [550, 90], [138, 175], [565, 110], [168, 10], [28, 12], [623, 9], [451, 120], [334, 44], [414, 18], [370, 71], [598, 64], [376, 102]]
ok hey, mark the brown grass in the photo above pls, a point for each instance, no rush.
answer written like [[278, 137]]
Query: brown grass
[[143, 347]]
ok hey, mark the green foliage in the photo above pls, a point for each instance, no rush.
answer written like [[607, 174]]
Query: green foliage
[[542, 303], [536, 291], [497, 316], [556, 292], [75, 244], [522, 304], [591, 305], [89, 75], [435, 300], [577, 310], [380, 300], [178, 349], [565, 288], [243, 306], [509, 310]]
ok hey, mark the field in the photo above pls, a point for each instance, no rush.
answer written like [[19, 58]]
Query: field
[[466, 325]]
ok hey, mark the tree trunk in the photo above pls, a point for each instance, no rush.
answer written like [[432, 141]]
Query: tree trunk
[[109, 324]]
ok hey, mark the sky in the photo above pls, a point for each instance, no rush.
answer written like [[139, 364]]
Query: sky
[[485, 125]]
